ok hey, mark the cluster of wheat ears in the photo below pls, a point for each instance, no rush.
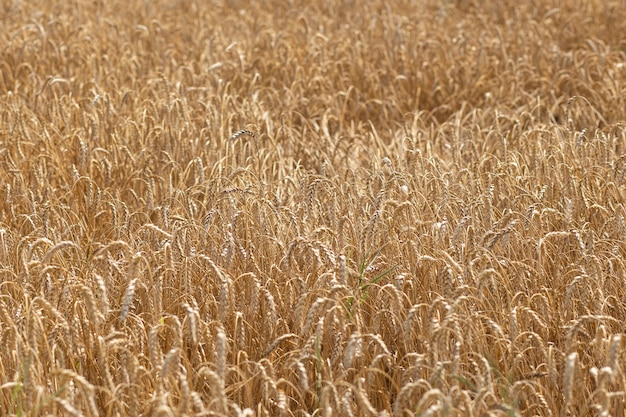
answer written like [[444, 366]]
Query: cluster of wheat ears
[[310, 208]]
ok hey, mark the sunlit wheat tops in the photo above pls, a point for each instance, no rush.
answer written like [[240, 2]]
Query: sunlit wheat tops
[[358, 208]]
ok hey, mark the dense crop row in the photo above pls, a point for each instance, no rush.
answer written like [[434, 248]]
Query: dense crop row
[[349, 208]]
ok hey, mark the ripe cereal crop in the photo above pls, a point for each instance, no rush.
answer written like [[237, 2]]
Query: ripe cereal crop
[[307, 208]]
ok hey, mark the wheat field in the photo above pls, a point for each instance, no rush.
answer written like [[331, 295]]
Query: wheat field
[[307, 208]]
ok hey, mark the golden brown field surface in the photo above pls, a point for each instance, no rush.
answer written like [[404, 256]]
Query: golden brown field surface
[[310, 208]]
